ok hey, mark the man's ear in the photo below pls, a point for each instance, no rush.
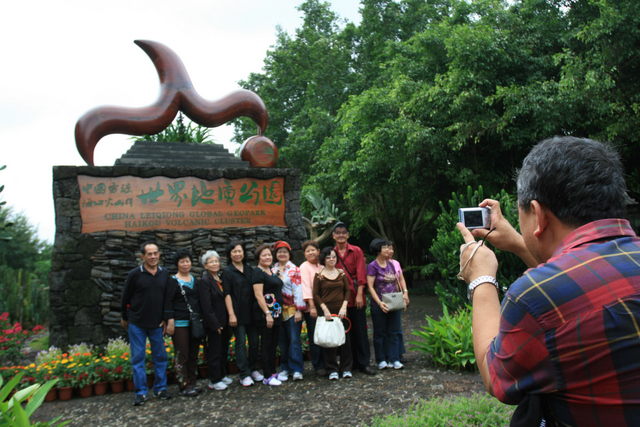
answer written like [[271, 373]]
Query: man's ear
[[542, 218]]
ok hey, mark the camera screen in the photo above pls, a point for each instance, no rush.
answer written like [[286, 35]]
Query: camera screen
[[473, 218]]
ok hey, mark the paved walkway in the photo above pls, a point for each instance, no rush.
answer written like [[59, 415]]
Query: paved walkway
[[310, 402]]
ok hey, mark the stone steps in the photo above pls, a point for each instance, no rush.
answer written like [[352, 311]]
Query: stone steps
[[180, 154]]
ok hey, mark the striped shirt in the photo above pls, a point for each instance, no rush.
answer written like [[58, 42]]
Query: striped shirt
[[570, 329]]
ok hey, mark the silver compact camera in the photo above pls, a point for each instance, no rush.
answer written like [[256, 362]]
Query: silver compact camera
[[475, 217]]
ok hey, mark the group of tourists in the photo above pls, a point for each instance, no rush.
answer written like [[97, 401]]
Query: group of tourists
[[264, 308]]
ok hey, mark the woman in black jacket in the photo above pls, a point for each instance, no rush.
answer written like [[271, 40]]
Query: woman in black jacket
[[185, 299], [214, 315], [239, 298]]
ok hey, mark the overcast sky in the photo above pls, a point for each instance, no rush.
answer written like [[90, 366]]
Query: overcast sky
[[63, 58]]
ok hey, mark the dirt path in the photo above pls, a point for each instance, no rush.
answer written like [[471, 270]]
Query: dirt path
[[312, 401]]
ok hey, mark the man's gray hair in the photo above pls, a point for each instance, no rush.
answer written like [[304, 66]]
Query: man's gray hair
[[208, 255], [578, 179]]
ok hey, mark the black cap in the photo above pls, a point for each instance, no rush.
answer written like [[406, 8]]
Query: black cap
[[340, 225]]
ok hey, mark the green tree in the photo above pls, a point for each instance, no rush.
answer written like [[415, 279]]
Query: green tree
[[25, 264], [4, 224], [178, 132], [305, 80], [427, 97]]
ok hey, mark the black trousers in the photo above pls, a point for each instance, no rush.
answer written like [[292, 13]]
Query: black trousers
[[344, 351], [268, 346], [360, 350], [217, 350]]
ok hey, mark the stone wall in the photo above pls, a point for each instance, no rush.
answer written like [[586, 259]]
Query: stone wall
[[89, 270]]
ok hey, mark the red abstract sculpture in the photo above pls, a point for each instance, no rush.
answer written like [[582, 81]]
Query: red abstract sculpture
[[176, 94]]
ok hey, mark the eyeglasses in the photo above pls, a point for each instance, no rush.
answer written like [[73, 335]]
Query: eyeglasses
[[331, 257], [340, 233]]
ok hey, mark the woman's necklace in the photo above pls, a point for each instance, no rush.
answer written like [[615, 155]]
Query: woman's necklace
[[331, 272], [266, 270]]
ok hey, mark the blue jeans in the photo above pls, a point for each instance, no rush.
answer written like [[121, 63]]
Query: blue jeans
[[242, 333], [138, 341], [386, 334], [291, 359], [316, 352]]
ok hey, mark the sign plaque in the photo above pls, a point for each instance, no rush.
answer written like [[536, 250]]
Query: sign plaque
[[135, 204]]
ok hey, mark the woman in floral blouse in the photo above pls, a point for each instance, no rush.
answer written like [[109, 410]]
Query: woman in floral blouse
[[291, 360]]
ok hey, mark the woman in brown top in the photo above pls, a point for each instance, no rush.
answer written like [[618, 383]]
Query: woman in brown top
[[331, 293]]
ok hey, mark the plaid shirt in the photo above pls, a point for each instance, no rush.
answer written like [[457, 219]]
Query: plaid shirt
[[570, 329]]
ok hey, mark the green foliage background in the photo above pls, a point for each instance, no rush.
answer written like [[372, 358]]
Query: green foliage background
[[452, 291], [423, 98]]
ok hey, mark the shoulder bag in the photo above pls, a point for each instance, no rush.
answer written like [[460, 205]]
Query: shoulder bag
[[394, 300], [195, 319]]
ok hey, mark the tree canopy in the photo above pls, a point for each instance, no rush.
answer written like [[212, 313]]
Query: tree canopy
[[426, 97]]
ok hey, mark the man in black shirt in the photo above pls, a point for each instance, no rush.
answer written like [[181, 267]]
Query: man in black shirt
[[147, 313]]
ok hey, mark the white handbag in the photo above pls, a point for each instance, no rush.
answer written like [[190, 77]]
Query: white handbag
[[329, 333]]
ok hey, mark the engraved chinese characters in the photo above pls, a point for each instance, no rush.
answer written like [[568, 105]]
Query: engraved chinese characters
[[135, 204]]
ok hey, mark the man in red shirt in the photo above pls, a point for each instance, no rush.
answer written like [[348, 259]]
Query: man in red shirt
[[565, 343], [351, 260]]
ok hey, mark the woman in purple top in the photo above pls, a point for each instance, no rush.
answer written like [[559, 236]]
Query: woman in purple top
[[405, 294], [382, 279]]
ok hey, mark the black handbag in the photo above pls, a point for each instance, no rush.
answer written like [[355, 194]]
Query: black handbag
[[195, 319]]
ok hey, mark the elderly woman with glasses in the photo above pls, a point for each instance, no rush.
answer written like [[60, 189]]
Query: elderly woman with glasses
[[214, 316]]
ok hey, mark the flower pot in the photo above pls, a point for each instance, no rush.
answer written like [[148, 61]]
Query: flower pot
[[51, 395], [86, 391], [65, 393], [277, 360], [307, 355], [232, 367], [130, 385], [117, 386], [100, 388], [203, 371]]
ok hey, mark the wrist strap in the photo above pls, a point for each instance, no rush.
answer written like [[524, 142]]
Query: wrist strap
[[479, 281]]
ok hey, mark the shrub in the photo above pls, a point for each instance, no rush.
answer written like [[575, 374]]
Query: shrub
[[12, 339], [478, 410], [452, 292], [448, 341]]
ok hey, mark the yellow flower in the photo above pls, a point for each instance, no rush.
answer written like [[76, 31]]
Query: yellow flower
[[63, 361], [33, 365], [71, 365]]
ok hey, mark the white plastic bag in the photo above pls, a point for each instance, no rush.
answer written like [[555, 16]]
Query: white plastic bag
[[329, 333]]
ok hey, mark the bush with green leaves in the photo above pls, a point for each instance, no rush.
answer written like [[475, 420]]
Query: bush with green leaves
[[449, 340], [446, 248], [460, 411]]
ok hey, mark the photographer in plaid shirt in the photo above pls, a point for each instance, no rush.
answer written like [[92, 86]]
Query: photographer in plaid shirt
[[565, 344]]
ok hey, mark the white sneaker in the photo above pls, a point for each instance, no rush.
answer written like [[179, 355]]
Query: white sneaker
[[297, 376], [397, 365], [283, 376], [257, 376], [217, 386], [227, 380], [347, 374], [246, 381], [272, 380], [382, 365], [334, 376]]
